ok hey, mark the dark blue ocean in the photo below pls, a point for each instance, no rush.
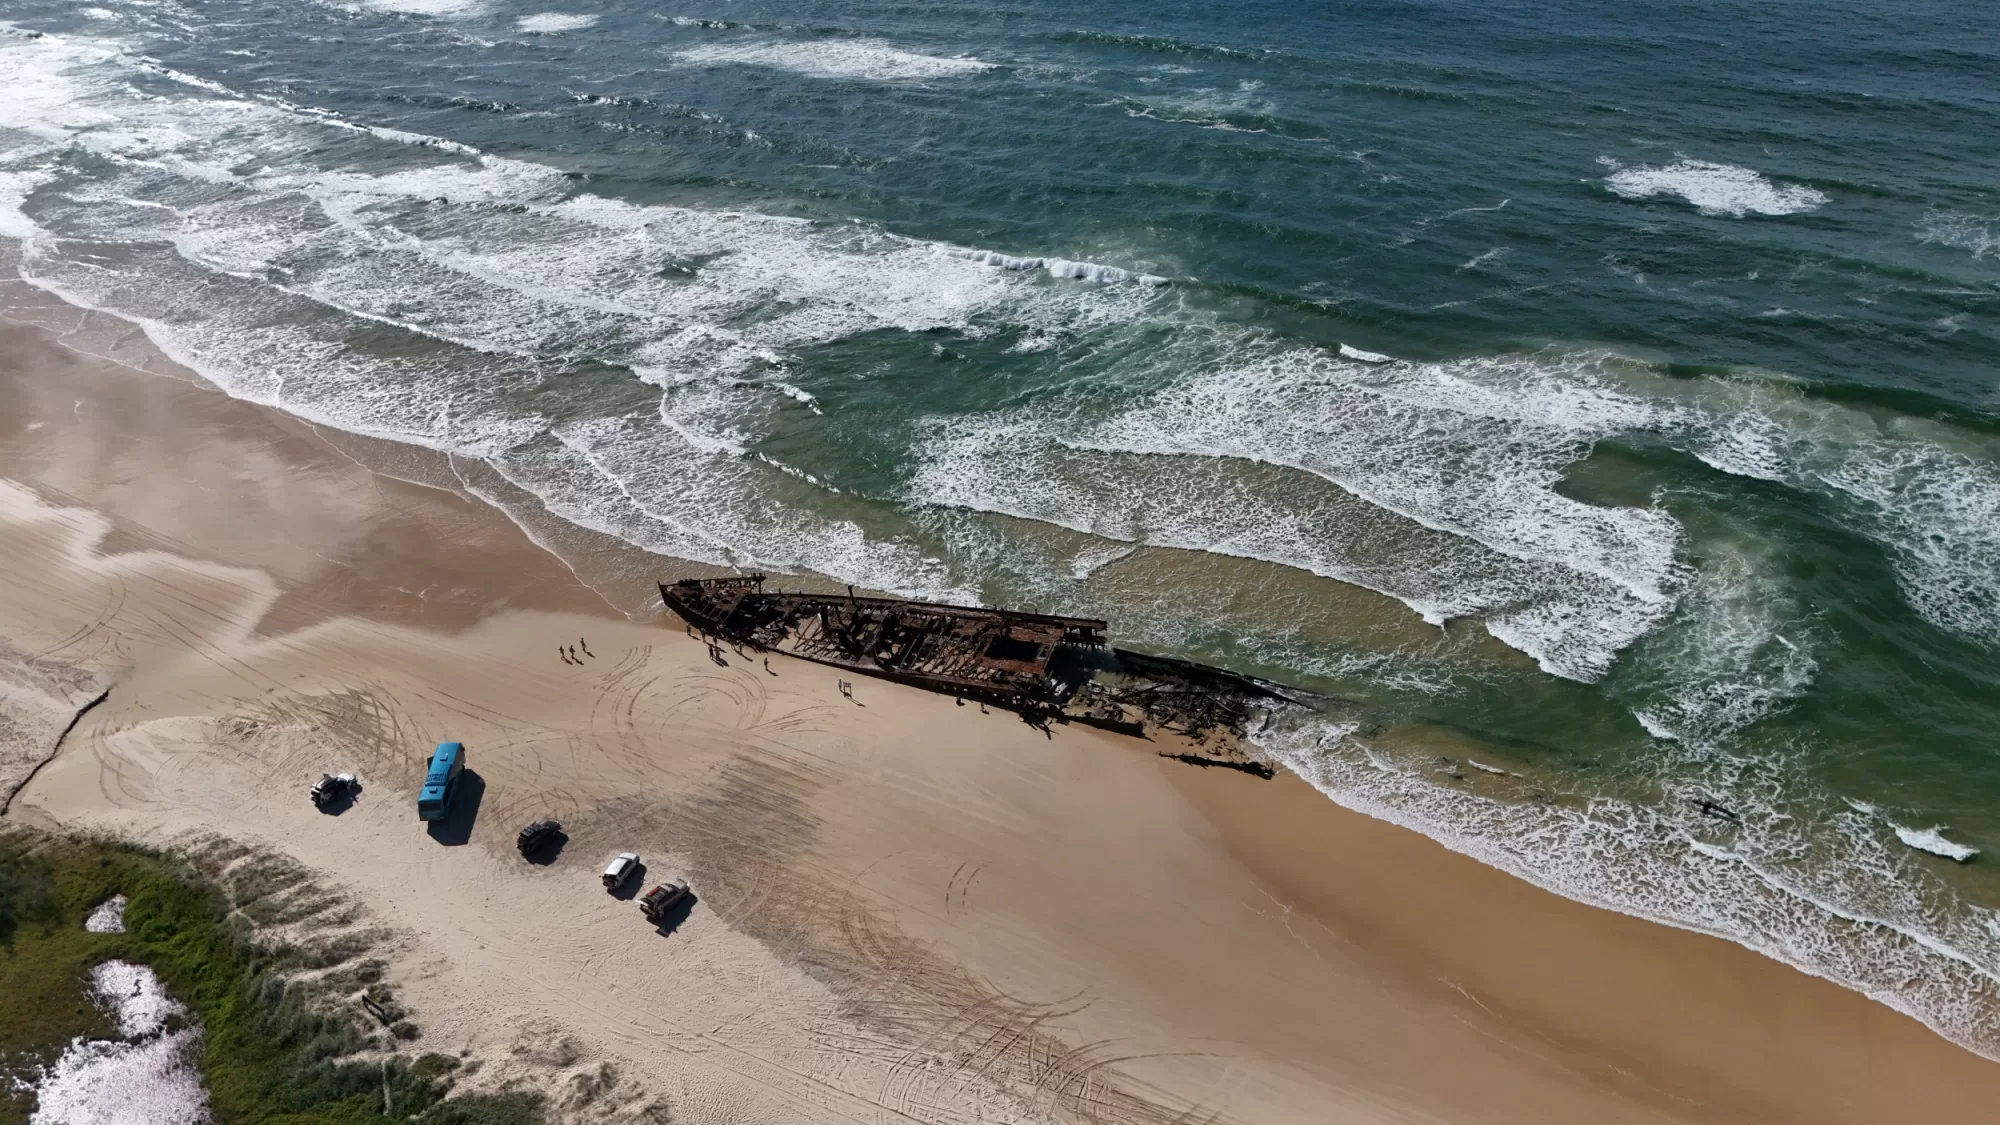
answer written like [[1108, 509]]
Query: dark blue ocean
[[1599, 405]]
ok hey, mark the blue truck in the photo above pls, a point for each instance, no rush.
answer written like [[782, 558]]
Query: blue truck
[[441, 782]]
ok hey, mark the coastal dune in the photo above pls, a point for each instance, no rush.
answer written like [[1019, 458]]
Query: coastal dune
[[906, 909]]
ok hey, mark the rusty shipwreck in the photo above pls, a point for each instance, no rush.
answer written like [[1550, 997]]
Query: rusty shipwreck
[[1047, 668]]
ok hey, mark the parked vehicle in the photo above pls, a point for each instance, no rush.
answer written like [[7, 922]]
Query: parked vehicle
[[655, 903], [441, 781], [333, 788], [620, 870], [537, 836]]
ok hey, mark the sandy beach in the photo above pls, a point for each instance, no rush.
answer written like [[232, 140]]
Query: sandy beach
[[907, 910]]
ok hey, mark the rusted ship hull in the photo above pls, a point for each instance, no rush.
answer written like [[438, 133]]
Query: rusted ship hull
[[1017, 659], [1047, 667]]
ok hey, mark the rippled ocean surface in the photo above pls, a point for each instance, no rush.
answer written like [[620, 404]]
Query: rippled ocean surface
[[1600, 405]]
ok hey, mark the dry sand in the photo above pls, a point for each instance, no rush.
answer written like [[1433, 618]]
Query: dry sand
[[908, 910]]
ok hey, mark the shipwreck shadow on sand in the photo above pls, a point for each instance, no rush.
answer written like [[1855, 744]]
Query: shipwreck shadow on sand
[[456, 828]]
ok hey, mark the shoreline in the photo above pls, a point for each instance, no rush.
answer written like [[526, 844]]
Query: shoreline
[[1934, 974], [1319, 913]]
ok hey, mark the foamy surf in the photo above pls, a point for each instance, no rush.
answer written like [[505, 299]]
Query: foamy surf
[[428, 7], [870, 59], [550, 23], [1265, 454], [1880, 934], [1973, 234], [1714, 189], [500, 258], [1062, 268], [1932, 840], [1733, 660]]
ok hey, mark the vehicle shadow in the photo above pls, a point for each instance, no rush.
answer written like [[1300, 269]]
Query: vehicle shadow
[[671, 920], [343, 803], [550, 850], [456, 828], [630, 888]]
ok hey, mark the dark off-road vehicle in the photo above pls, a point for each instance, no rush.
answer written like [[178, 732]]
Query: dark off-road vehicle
[[537, 836]]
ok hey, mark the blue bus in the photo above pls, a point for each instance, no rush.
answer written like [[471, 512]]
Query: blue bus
[[441, 783]]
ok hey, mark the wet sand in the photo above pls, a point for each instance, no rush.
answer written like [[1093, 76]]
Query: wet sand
[[907, 910]]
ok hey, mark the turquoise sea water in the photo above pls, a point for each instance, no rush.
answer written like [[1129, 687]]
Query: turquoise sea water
[[1598, 405]]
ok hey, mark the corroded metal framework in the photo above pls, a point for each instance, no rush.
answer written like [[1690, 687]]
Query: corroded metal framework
[[1047, 667], [1018, 659]]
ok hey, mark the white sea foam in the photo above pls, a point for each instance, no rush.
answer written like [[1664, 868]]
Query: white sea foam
[[1940, 512], [1349, 351], [1431, 483], [1730, 657], [1086, 271], [1096, 557], [544, 23], [1482, 258], [108, 917], [502, 258], [1436, 484], [186, 79], [1932, 840], [1714, 189], [1971, 233], [1908, 484], [151, 1075], [14, 189], [428, 7], [1209, 108], [1063, 268], [838, 58], [1856, 914], [999, 261]]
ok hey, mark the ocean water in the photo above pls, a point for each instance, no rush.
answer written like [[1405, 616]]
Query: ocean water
[[1597, 405]]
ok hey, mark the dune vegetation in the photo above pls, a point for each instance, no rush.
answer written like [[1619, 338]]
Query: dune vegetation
[[281, 1043]]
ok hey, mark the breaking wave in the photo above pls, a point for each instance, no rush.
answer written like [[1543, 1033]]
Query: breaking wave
[[545, 23], [1841, 899], [1434, 484], [1970, 233], [838, 58], [429, 7], [1932, 840], [1741, 651], [1714, 189], [270, 281], [262, 277]]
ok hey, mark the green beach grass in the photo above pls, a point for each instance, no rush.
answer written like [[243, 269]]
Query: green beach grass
[[275, 1052]]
